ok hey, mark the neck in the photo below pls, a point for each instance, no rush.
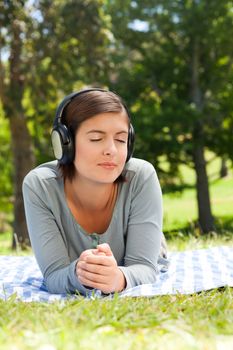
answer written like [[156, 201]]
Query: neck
[[90, 196]]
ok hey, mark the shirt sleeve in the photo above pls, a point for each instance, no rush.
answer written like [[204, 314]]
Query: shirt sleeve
[[144, 232], [48, 244]]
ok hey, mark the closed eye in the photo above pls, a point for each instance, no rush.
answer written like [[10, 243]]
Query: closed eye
[[118, 140], [121, 141]]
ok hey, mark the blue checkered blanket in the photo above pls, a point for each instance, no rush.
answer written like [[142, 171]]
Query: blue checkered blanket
[[189, 272]]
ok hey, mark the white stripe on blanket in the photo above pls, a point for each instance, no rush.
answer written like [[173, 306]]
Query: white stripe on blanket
[[189, 272]]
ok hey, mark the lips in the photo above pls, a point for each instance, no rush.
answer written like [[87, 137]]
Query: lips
[[108, 165]]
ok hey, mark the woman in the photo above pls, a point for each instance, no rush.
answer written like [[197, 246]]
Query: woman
[[94, 215]]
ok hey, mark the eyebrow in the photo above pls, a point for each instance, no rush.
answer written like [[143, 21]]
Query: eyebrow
[[103, 132]]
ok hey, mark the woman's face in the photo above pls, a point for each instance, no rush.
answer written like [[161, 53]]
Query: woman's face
[[101, 147]]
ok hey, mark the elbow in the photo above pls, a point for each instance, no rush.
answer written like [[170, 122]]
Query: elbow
[[54, 286], [56, 283], [138, 274], [51, 287], [152, 276]]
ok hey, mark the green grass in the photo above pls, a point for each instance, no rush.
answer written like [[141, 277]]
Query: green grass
[[201, 321], [6, 244], [180, 208]]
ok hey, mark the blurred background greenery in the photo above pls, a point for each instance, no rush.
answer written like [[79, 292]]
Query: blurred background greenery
[[171, 61]]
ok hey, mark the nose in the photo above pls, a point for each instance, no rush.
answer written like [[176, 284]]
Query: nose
[[110, 148]]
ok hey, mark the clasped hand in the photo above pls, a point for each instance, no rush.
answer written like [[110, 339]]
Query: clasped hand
[[97, 268]]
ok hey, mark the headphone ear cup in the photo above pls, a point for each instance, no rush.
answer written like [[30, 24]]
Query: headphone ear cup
[[131, 138], [63, 144]]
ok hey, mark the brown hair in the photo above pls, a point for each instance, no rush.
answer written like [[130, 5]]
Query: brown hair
[[82, 107]]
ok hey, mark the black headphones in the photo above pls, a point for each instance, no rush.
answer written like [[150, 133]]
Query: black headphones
[[62, 138]]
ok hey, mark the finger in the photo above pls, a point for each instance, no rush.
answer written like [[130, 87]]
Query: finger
[[93, 268], [97, 285], [104, 247], [100, 260], [90, 277], [87, 252], [97, 252]]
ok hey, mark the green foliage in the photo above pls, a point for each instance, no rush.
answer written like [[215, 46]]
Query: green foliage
[[63, 56], [145, 52], [49, 49], [161, 62]]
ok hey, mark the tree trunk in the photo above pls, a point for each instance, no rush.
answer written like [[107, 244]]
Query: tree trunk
[[21, 143], [205, 217], [23, 161], [223, 170]]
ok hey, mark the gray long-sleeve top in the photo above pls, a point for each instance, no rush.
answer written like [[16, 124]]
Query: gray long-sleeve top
[[134, 233]]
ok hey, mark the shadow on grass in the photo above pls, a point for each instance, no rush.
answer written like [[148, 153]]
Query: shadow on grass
[[223, 227], [174, 189]]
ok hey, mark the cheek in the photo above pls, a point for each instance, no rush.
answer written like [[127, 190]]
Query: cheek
[[86, 154], [126, 153], [82, 152], [123, 154]]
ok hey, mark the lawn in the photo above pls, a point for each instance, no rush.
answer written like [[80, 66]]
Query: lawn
[[180, 208], [203, 321], [200, 321]]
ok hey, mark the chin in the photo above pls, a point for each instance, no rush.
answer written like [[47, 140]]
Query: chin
[[107, 179]]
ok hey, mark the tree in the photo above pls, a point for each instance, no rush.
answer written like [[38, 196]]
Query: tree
[[182, 50], [49, 49], [12, 89]]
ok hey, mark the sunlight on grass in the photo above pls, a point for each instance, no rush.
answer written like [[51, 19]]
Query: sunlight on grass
[[180, 209], [200, 321]]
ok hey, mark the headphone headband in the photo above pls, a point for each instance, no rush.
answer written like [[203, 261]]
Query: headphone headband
[[67, 99], [62, 139]]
